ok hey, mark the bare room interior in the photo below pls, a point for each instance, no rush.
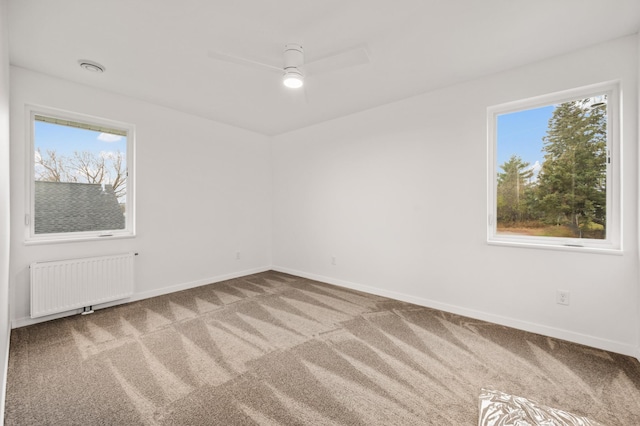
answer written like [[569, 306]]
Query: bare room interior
[[334, 212]]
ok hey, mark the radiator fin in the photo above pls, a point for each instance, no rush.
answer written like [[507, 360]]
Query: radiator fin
[[75, 283]]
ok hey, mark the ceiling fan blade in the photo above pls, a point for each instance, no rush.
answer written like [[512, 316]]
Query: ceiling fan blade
[[340, 60], [223, 57]]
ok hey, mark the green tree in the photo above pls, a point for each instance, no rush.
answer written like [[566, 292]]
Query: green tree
[[513, 190], [572, 181]]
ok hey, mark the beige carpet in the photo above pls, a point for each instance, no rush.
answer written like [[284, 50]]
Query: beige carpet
[[273, 349]]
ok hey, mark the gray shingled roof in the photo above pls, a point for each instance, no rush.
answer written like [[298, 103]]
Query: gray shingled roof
[[76, 207]]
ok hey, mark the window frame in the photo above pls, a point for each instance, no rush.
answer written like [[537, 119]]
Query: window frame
[[31, 111], [612, 244]]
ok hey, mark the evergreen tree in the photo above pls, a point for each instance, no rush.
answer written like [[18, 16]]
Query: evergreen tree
[[572, 181], [513, 188]]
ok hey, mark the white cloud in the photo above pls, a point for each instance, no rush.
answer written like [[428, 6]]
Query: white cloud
[[536, 167], [108, 137], [108, 155]]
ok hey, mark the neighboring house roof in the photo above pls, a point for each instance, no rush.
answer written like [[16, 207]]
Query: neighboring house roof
[[76, 207]]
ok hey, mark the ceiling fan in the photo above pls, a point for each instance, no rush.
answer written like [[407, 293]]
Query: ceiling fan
[[294, 69]]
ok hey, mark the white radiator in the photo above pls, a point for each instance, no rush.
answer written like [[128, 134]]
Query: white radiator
[[76, 283]]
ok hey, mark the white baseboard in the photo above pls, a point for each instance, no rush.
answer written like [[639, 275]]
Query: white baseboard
[[194, 284], [583, 339], [22, 322]]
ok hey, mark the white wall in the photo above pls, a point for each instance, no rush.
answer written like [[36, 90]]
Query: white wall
[[398, 195], [638, 201], [4, 202], [203, 192]]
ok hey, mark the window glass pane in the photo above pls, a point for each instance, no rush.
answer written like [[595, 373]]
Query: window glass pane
[[552, 170], [80, 177]]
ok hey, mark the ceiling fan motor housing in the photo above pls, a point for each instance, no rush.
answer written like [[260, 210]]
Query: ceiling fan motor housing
[[293, 56], [293, 60]]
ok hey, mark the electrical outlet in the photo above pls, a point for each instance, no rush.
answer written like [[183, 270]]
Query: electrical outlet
[[237, 255], [333, 260], [562, 297]]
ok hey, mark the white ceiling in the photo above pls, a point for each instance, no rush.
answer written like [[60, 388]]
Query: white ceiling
[[158, 51]]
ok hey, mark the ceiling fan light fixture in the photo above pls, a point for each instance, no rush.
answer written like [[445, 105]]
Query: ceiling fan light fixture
[[293, 78]]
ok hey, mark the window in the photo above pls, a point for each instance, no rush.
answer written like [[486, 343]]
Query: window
[[80, 174], [554, 175]]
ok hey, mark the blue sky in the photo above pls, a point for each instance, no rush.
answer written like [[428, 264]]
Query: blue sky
[[521, 133], [65, 140]]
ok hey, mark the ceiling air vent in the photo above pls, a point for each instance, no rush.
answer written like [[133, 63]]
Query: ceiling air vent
[[91, 66]]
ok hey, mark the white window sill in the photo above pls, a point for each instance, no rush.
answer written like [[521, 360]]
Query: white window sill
[[75, 239], [557, 247]]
